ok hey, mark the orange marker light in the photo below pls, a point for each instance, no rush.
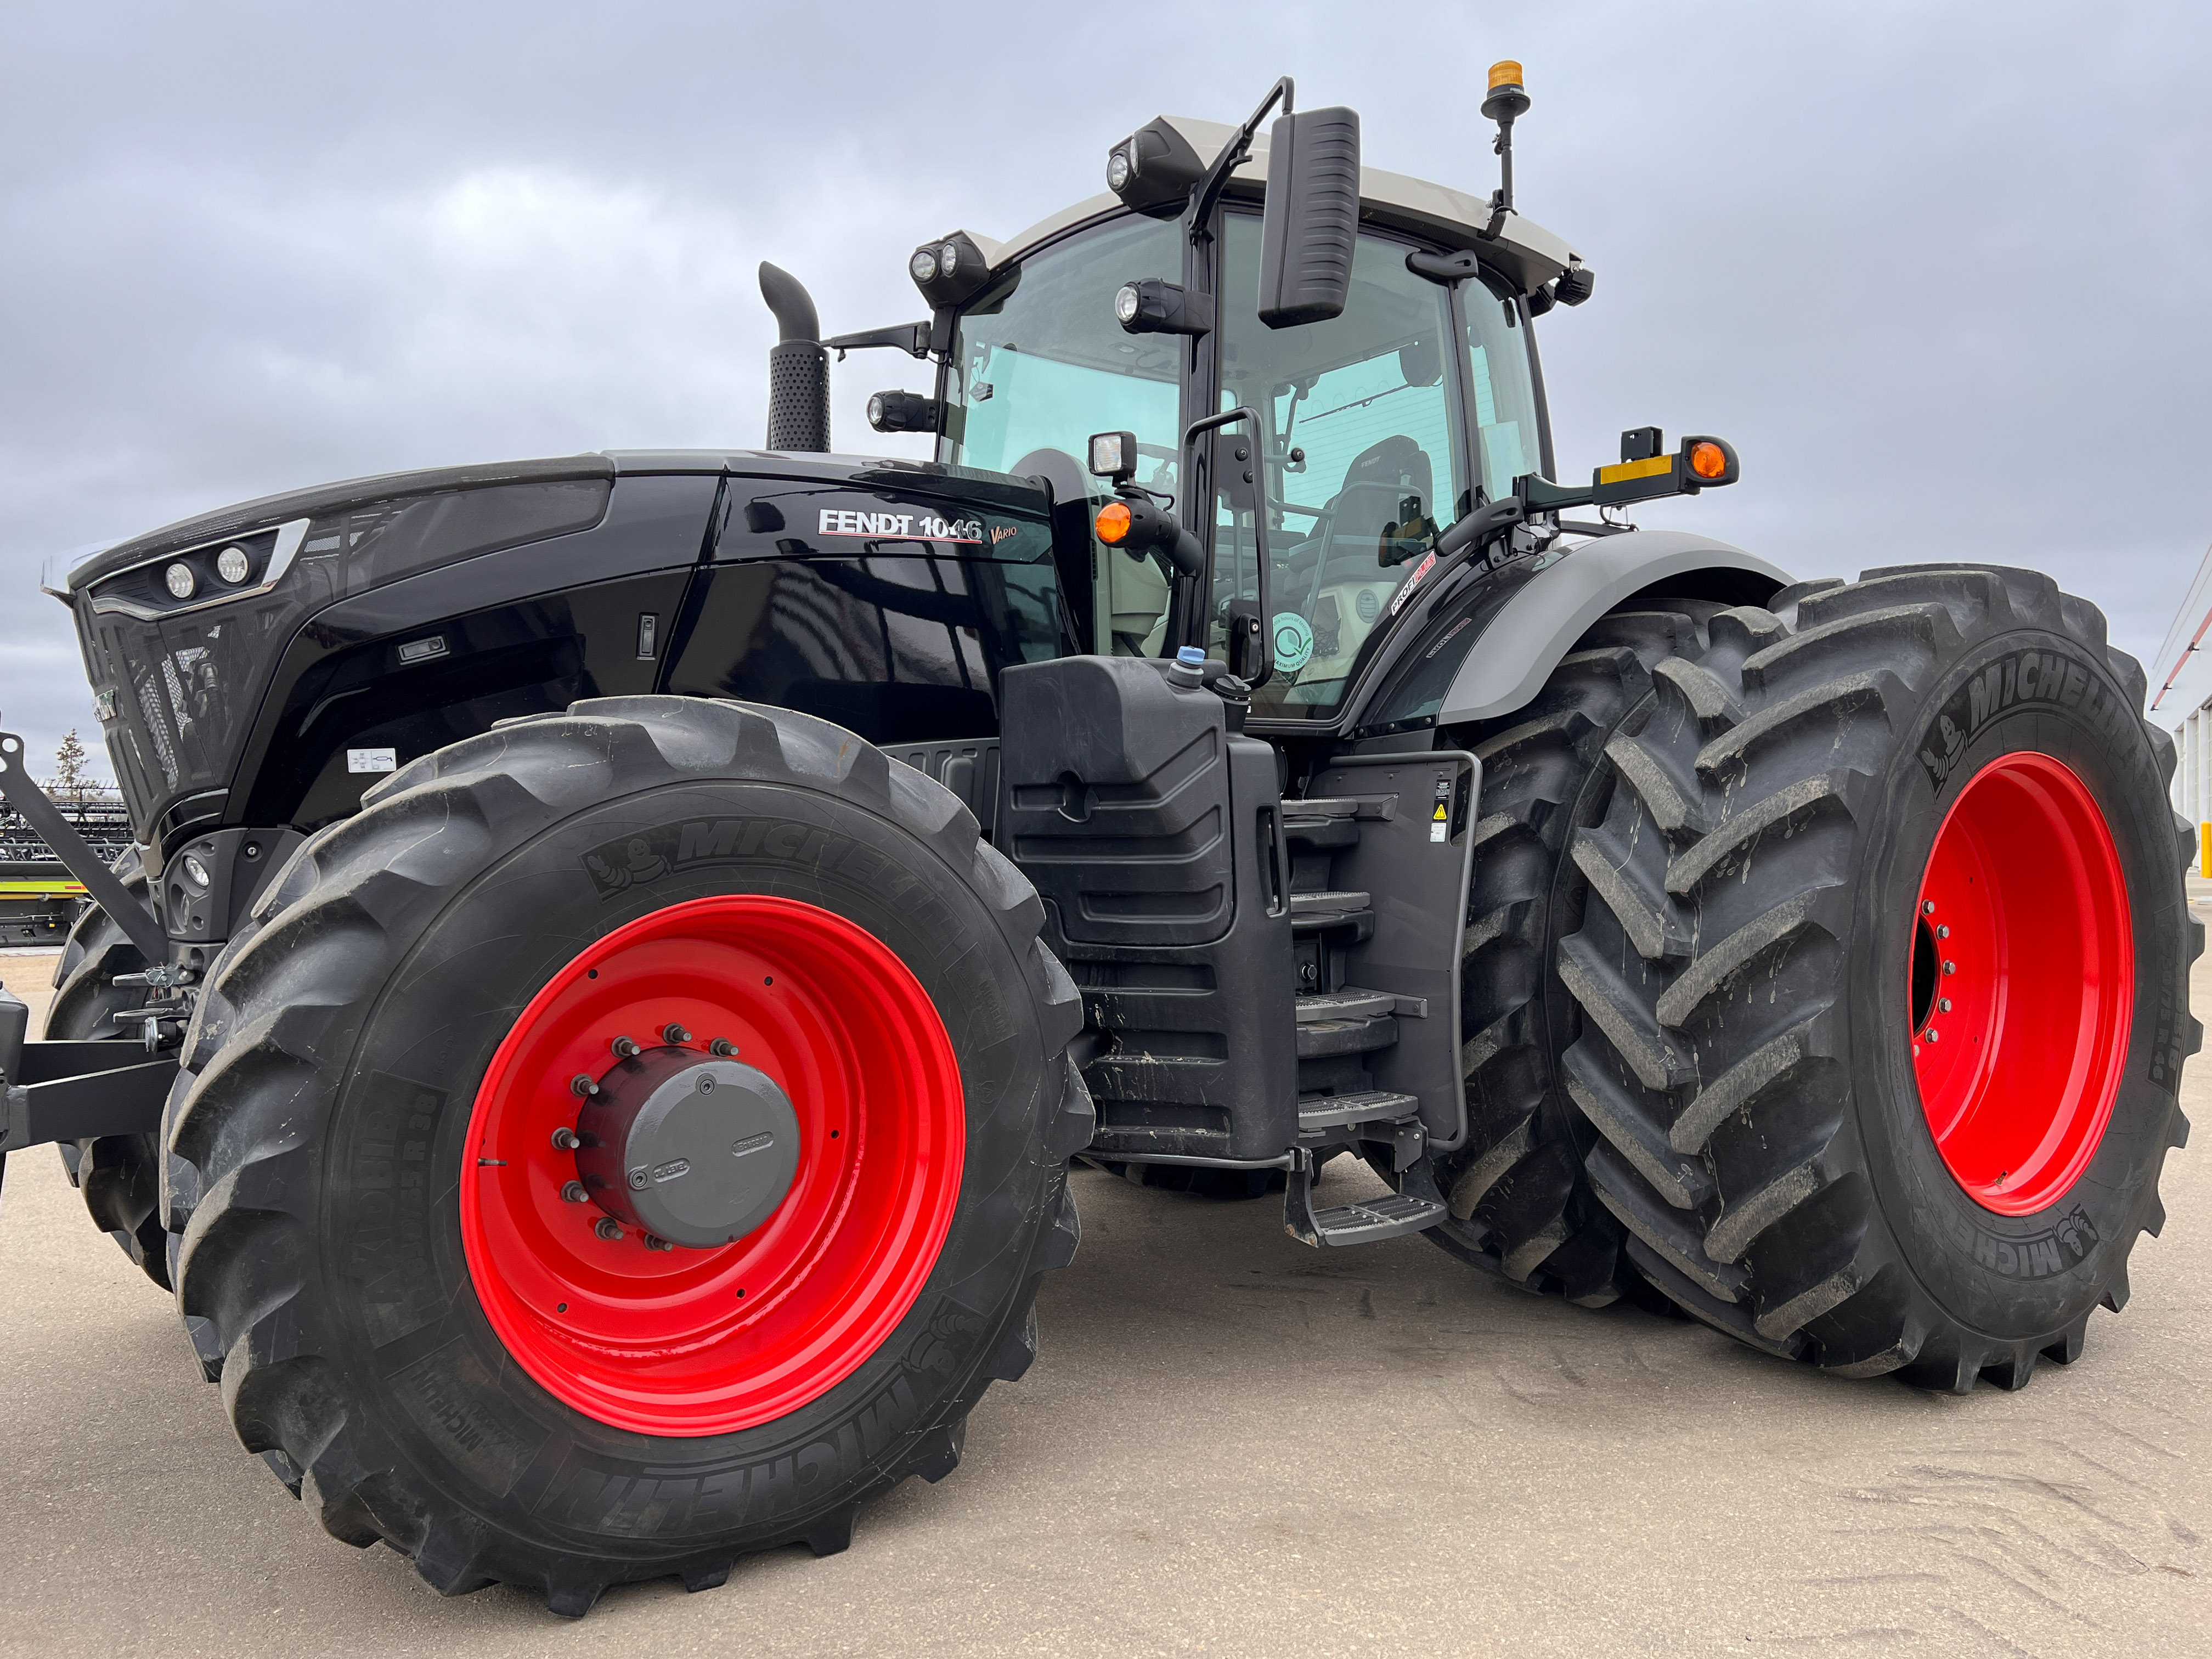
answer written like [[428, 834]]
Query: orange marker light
[[1113, 523], [1708, 460], [1504, 73]]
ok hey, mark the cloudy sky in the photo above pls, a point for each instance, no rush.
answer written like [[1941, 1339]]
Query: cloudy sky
[[1938, 270]]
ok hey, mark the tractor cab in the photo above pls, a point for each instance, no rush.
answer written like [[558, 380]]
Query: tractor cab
[[1371, 430]]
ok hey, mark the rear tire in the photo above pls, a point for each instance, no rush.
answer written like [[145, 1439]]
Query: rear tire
[[1764, 956], [1518, 1203], [374, 1238]]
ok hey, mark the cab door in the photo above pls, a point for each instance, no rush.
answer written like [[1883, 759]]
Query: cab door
[[1367, 457]]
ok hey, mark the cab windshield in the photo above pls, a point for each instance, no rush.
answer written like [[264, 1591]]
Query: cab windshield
[[1039, 364]]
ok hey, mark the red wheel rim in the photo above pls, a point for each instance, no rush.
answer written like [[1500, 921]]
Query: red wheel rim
[[2022, 983], [704, 1341]]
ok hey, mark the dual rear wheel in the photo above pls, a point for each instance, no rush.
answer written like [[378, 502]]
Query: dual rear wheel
[[1879, 975]]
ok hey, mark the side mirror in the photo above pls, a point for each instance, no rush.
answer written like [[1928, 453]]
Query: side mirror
[[1311, 219]]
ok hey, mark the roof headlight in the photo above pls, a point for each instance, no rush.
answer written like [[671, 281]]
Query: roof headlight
[[1117, 171], [233, 566], [179, 580], [951, 271]]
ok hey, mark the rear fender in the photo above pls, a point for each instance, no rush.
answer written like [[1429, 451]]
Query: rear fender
[[1524, 640]]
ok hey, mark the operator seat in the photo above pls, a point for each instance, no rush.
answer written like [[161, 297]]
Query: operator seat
[[1367, 523]]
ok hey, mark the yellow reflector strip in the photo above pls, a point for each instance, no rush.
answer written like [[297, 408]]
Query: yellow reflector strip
[[1622, 471], [71, 889]]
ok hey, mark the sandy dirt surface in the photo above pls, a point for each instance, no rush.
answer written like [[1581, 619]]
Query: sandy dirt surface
[[1230, 1444]]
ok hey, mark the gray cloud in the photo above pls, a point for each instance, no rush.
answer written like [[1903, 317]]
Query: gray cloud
[[1936, 269]]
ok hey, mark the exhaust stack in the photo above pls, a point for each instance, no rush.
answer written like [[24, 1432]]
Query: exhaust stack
[[798, 366]]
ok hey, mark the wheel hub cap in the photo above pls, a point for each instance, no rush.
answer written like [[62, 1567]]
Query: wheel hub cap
[[695, 1151]]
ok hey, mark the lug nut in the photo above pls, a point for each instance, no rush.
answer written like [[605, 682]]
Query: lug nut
[[1934, 1035], [723, 1047], [607, 1227], [583, 1084], [624, 1048], [1945, 1004], [565, 1139], [573, 1192], [672, 1032], [1928, 906], [653, 1244], [1942, 932], [1950, 967]]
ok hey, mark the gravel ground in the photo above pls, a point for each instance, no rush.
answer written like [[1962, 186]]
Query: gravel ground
[[1229, 1444]]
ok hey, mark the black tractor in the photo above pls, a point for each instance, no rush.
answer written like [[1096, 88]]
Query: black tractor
[[618, 952]]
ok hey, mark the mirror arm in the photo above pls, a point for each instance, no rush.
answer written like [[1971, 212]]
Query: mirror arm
[[913, 338], [1233, 153]]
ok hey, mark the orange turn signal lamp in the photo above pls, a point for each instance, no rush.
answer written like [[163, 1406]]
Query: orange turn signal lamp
[[1114, 523], [1645, 471]]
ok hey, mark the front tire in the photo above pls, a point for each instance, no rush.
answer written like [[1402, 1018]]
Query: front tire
[[508, 1379], [120, 1175], [1884, 970]]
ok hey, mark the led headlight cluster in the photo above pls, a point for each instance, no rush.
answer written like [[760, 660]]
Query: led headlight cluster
[[949, 270], [204, 575]]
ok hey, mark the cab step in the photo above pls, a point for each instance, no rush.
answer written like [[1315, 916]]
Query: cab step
[[1350, 1003], [1368, 1106], [1416, 1206], [1367, 1220], [1310, 912]]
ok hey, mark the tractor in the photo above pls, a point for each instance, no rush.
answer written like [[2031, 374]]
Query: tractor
[[617, 952]]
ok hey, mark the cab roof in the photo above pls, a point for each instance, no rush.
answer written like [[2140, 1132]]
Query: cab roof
[[1523, 252]]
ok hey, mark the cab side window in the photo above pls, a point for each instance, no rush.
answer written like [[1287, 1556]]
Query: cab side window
[[1039, 364], [1363, 457]]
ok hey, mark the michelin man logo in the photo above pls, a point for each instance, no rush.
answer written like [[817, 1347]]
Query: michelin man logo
[[1294, 642]]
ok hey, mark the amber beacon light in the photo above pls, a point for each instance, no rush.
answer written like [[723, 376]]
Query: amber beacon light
[[1113, 523], [1708, 460]]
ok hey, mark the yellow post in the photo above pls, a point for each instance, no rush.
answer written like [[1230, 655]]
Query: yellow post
[[2204, 850]]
